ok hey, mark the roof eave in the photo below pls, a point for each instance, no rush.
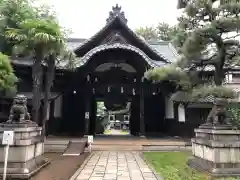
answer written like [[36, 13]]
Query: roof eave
[[155, 54]]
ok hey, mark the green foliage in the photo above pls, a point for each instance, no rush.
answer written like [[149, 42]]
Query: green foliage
[[234, 114], [208, 33], [12, 13], [162, 31], [7, 78], [214, 91], [37, 28], [169, 73], [101, 109], [166, 32], [173, 166], [38, 33], [147, 33]]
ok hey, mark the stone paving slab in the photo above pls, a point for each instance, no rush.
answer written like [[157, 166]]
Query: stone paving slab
[[108, 165]]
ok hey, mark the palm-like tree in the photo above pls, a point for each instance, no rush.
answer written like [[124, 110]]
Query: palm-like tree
[[42, 38], [55, 57]]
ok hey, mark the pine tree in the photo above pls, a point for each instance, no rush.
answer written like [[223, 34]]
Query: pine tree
[[209, 34]]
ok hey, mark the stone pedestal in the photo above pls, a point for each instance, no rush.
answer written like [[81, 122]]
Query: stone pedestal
[[25, 156], [216, 149]]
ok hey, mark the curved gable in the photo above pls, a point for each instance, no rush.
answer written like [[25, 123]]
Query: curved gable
[[117, 26]]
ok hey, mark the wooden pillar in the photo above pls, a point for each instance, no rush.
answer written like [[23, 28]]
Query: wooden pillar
[[87, 115], [50, 125], [52, 109], [142, 121], [93, 116], [87, 106]]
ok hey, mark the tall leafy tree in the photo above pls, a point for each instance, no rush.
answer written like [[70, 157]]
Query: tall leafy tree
[[209, 31], [12, 13], [147, 33], [166, 32], [41, 37], [162, 32]]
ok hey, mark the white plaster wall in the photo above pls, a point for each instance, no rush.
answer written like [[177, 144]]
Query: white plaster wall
[[169, 108], [181, 113], [58, 107]]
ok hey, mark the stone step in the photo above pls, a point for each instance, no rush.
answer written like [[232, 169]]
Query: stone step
[[139, 148], [74, 148], [167, 148], [116, 148], [55, 146]]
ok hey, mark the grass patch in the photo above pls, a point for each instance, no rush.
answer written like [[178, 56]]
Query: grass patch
[[107, 131], [124, 132], [173, 166]]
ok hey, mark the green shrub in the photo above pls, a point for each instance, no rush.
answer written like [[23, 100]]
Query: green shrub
[[234, 114], [8, 79], [169, 73]]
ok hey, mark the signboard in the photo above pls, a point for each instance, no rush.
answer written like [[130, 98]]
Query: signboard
[[90, 139], [8, 138]]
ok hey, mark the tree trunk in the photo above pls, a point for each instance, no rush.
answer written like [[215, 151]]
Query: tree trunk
[[37, 83], [219, 72], [218, 76], [47, 90]]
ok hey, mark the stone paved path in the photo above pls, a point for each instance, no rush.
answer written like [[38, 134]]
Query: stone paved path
[[122, 165]]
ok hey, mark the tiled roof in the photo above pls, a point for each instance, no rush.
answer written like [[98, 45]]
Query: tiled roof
[[164, 48], [74, 43], [118, 21], [119, 46], [184, 97]]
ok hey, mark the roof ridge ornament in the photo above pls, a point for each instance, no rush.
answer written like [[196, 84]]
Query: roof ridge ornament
[[116, 12]]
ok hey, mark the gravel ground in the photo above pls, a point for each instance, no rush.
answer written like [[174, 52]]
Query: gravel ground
[[61, 167]]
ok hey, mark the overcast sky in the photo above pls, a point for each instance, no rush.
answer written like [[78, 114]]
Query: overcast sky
[[86, 17]]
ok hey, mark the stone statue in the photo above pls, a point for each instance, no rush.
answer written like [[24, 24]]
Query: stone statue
[[218, 114], [19, 112]]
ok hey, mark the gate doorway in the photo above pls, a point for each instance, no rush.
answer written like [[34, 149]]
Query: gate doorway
[[116, 115]]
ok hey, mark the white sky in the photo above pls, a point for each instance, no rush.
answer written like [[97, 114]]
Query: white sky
[[86, 17]]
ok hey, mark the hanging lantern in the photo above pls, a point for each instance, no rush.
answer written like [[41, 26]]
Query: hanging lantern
[[122, 90], [96, 79], [88, 78], [133, 92], [109, 89], [134, 80]]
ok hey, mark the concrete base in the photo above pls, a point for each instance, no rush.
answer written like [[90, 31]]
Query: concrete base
[[17, 174], [215, 170], [216, 150], [216, 126], [26, 155]]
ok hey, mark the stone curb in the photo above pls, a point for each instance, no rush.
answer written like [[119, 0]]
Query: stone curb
[[74, 176], [157, 175]]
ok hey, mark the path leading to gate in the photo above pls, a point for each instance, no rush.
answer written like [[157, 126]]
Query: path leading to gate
[[113, 165]]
